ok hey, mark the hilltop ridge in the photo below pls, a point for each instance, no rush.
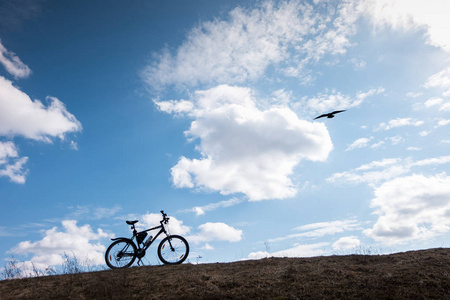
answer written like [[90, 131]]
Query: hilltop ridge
[[409, 275]]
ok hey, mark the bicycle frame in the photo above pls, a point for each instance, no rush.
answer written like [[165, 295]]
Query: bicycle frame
[[135, 233]]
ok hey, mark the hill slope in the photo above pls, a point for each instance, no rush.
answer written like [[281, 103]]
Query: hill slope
[[414, 274]]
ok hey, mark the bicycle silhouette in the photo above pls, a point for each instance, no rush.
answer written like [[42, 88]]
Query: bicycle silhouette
[[173, 249]]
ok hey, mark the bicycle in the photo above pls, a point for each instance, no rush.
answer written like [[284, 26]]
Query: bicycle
[[173, 249]]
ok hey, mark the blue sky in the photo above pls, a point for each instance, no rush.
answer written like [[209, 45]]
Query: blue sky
[[115, 110]]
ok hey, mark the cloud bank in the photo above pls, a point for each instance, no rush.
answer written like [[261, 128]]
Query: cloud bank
[[81, 241], [242, 46]]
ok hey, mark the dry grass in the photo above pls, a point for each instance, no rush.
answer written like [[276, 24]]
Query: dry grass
[[410, 275]]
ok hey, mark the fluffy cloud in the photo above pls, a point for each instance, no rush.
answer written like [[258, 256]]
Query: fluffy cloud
[[433, 102], [286, 34], [207, 232], [443, 106], [151, 220], [216, 232], [400, 122], [19, 115], [245, 149], [13, 64], [82, 242], [430, 16], [411, 208], [345, 243]]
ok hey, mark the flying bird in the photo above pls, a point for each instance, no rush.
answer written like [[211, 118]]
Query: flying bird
[[329, 115]]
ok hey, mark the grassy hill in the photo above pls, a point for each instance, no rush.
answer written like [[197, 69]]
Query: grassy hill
[[411, 275]]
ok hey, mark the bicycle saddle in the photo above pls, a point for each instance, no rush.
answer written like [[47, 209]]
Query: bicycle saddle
[[132, 222]]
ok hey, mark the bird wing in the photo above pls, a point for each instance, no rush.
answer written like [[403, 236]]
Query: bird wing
[[337, 111], [321, 116]]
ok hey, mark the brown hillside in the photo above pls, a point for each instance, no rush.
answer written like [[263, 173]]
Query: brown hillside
[[410, 275]]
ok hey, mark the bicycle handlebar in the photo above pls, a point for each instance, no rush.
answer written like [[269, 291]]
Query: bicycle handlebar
[[165, 218]]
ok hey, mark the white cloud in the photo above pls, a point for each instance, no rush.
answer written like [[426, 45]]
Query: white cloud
[[93, 213], [438, 102], [433, 101], [414, 94], [431, 16], [298, 250], [325, 102], [415, 207], [358, 64], [287, 35], [151, 220], [13, 64], [175, 107], [19, 115], [11, 165], [320, 229], [258, 255], [359, 143], [201, 210], [216, 232], [384, 170], [371, 173], [15, 170], [377, 145], [443, 122], [414, 148], [347, 242], [74, 145], [432, 161], [396, 139], [326, 228], [82, 241], [424, 133], [207, 247], [441, 79], [245, 149], [399, 122], [7, 149]]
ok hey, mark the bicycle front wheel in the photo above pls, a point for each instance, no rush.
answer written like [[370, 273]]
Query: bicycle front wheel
[[121, 254], [173, 249]]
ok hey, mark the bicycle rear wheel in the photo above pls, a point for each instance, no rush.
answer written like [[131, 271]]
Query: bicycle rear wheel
[[121, 254], [173, 249]]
